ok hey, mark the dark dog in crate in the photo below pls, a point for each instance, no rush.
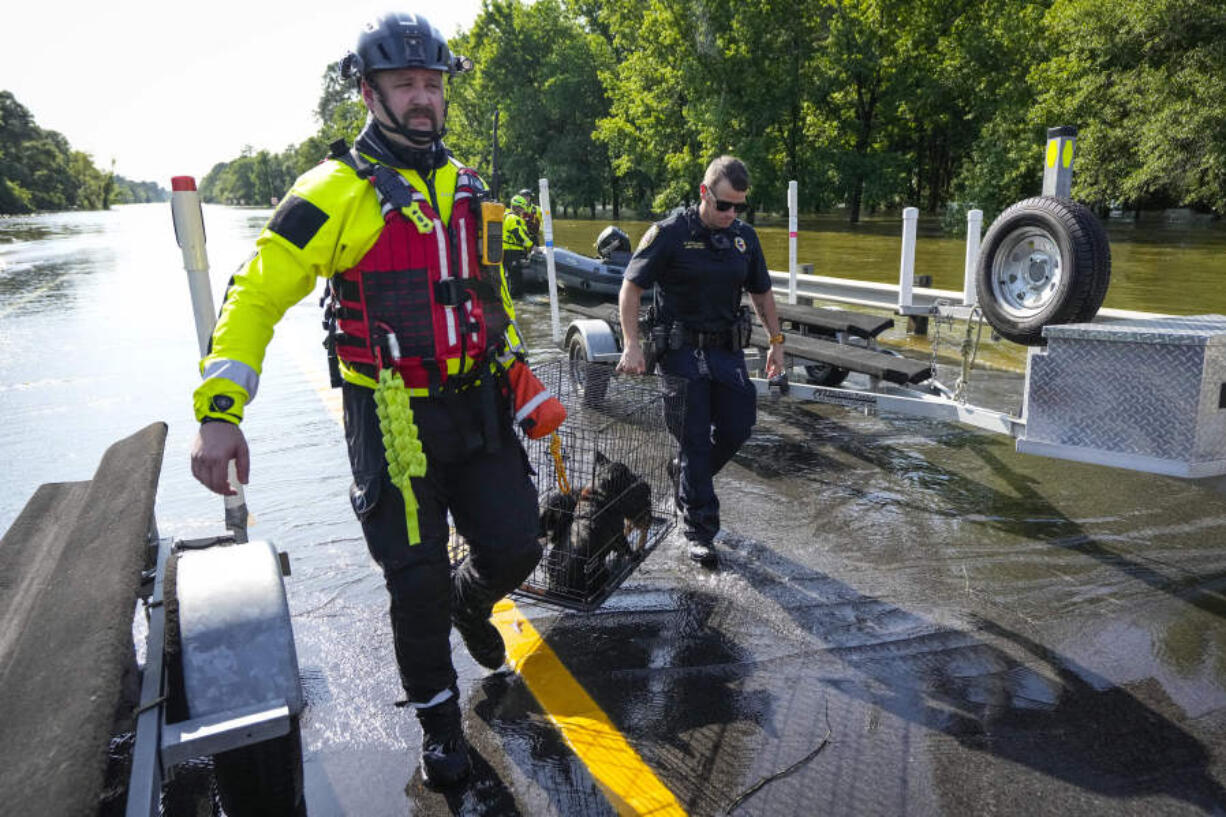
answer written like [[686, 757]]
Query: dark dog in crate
[[587, 535]]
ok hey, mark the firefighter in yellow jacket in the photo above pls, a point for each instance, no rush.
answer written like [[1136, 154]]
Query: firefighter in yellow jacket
[[516, 244], [415, 311]]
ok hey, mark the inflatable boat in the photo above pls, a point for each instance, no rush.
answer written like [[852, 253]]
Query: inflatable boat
[[601, 275]]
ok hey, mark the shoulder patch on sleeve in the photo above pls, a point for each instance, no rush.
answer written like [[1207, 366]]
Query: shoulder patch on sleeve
[[297, 221], [648, 237]]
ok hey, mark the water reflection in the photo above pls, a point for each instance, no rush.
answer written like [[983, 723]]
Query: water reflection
[[679, 682], [963, 490], [536, 748], [991, 689]]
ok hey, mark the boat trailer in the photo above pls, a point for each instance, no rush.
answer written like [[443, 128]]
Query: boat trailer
[[219, 675], [1142, 394]]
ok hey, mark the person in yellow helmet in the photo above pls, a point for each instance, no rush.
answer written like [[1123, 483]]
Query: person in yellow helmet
[[532, 216], [517, 242], [414, 309]]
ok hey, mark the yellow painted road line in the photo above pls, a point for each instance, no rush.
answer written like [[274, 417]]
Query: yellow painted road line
[[629, 783]]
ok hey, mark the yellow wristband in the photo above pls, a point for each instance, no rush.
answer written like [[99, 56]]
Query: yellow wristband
[[777, 339]]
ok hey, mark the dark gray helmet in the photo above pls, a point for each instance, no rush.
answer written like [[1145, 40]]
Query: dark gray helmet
[[401, 41]]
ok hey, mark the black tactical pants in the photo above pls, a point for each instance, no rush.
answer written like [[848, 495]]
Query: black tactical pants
[[721, 407], [513, 263], [494, 506]]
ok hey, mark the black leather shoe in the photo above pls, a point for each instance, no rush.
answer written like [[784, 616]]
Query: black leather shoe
[[481, 637], [444, 751], [704, 554]]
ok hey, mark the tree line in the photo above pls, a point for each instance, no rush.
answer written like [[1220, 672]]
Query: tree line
[[39, 170], [869, 104]]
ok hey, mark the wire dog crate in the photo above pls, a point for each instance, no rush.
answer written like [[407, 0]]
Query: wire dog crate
[[606, 498]]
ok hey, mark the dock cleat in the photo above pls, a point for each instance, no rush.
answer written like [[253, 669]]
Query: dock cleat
[[444, 751]]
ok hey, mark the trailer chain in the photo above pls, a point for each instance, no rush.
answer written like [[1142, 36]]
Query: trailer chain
[[969, 350], [937, 320]]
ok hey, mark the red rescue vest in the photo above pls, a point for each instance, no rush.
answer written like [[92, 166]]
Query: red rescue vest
[[422, 282]]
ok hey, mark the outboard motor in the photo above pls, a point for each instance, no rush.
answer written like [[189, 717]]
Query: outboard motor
[[613, 245], [612, 239]]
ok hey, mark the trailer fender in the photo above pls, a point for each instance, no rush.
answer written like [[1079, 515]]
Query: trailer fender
[[234, 629], [592, 340], [593, 349]]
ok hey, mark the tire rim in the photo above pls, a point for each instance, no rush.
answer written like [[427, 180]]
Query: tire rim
[[1026, 272]]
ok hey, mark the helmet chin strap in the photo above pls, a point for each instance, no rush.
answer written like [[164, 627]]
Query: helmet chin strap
[[425, 149]]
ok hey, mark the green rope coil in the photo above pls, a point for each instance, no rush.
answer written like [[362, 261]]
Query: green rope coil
[[401, 444]]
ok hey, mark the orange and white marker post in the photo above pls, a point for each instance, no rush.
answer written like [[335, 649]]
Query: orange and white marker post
[[189, 232]]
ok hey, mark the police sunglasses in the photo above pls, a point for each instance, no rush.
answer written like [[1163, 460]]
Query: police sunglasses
[[725, 206]]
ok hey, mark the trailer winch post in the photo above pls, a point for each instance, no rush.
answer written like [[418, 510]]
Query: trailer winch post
[[793, 196], [550, 269], [189, 232]]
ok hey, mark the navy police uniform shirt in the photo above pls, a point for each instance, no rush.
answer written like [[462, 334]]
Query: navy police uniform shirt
[[701, 272]]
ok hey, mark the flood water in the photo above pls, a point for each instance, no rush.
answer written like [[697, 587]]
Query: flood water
[[931, 622], [1156, 266]]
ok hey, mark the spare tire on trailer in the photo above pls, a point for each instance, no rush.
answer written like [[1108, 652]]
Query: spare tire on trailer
[[1044, 260]]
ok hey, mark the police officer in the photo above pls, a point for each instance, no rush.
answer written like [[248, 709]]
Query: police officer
[[700, 261], [414, 308], [516, 243]]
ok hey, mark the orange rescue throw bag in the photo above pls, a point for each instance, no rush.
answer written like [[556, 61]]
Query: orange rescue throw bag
[[537, 411]]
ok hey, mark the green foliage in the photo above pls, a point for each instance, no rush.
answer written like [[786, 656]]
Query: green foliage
[[39, 170], [537, 66], [260, 179], [127, 191], [1144, 80], [870, 104]]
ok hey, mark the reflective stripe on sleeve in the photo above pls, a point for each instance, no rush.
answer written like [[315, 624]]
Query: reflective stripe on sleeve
[[530, 406], [236, 372]]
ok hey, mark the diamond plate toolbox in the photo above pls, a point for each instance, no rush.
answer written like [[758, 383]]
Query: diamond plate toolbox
[[1149, 395]]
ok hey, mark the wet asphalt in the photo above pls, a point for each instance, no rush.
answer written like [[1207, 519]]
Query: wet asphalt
[[909, 617]]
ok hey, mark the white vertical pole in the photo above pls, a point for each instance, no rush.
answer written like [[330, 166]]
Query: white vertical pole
[[189, 232], [550, 269], [793, 206], [974, 224], [906, 273]]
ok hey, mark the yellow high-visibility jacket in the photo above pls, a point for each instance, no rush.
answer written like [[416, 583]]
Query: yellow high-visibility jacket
[[326, 224]]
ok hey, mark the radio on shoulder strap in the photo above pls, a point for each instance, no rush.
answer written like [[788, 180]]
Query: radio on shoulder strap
[[492, 213]]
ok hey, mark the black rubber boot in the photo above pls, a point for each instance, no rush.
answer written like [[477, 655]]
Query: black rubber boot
[[444, 751], [481, 637], [704, 553]]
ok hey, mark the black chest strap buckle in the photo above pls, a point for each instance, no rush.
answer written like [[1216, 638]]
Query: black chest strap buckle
[[451, 292]]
